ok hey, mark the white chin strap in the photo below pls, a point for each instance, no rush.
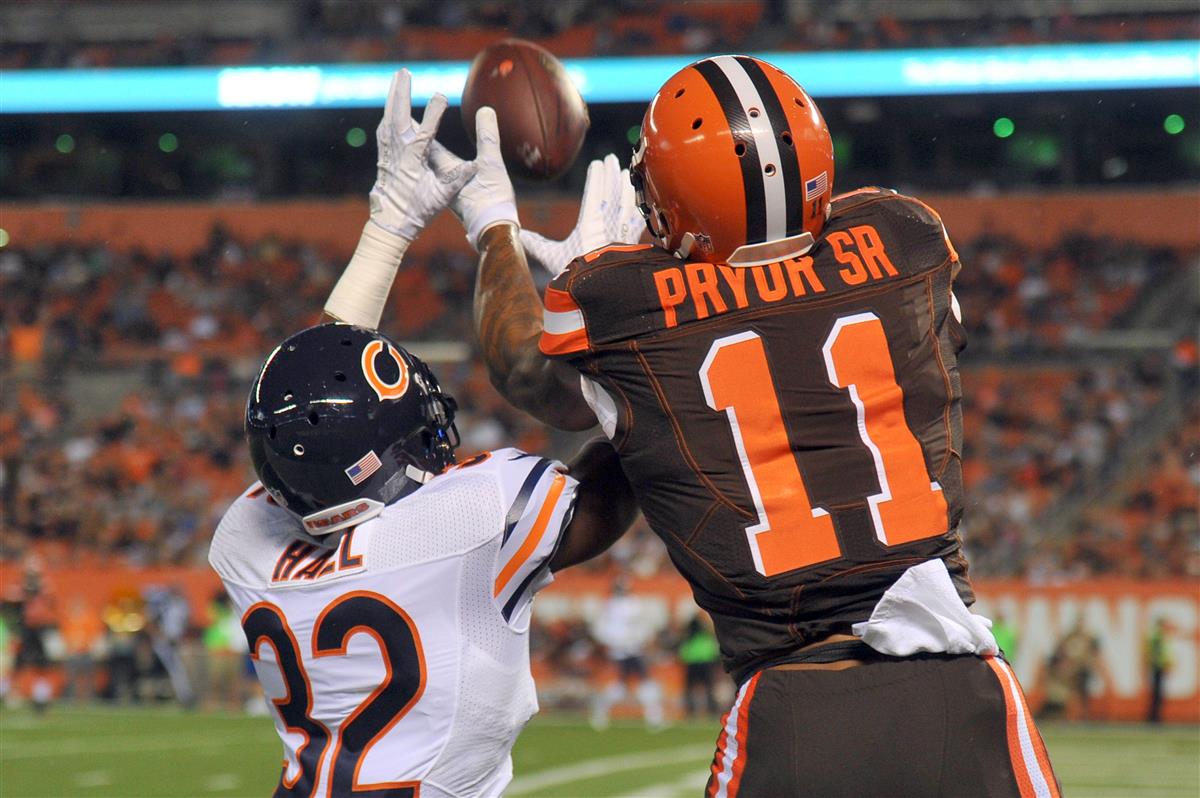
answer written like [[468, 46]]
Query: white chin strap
[[755, 254], [771, 251], [338, 517]]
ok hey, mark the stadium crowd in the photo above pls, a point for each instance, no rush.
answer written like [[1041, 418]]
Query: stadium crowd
[[145, 480], [348, 31]]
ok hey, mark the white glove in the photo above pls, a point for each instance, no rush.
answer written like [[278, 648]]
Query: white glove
[[488, 198], [409, 190], [607, 214]]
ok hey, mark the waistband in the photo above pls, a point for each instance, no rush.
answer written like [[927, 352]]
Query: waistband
[[840, 651]]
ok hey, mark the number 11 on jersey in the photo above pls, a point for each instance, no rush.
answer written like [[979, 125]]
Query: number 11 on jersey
[[791, 533]]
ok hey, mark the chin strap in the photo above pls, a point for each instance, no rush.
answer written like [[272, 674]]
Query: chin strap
[[770, 251], [418, 475], [340, 516]]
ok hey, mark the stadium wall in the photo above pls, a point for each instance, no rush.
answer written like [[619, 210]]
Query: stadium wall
[[1151, 217], [1117, 613]]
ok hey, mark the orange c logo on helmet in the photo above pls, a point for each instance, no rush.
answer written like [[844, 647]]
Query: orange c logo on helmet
[[382, 388]]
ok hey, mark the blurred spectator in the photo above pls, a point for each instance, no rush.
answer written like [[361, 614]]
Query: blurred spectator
[[344, 30], [1006, 637], [1158, 661], [699, 652], [38, 621], [167, 612], [83, 633], [1072, 668], [125, 619], [225, 656], [622, 629], [6, 656]]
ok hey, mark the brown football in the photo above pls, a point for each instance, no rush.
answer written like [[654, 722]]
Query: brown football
[[541, 116]]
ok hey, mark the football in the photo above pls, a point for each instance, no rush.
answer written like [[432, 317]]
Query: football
[[541, 115]]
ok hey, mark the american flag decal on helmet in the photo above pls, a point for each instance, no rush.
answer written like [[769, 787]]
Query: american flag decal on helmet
[[364, 468], [816, 187]]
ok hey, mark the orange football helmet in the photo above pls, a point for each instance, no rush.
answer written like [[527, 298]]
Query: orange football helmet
[[734, 163]]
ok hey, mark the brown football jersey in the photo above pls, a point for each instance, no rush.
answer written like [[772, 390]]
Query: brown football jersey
[[793, 429]]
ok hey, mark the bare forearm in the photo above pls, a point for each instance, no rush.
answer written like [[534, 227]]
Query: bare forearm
[[508, 311], [508, 322], [604, 506]]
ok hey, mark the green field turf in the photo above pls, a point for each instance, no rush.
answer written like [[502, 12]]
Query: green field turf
[[158, 752]]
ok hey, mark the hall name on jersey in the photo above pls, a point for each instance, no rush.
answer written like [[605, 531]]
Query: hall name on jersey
[[694, 291], [304, 562]]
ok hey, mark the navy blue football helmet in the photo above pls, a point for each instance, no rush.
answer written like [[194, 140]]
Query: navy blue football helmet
[[342, 421]]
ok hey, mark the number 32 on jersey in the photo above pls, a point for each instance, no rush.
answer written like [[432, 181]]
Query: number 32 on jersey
[[790, 532], [360, 612]]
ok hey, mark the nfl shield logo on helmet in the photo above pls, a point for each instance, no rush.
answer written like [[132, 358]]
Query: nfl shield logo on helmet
[[364, 468]]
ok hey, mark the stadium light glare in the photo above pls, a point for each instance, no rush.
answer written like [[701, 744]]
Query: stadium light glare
[[356, 137], [168, 142], [65, 144], [919, 72], [3, 238], [1003, 127], [1173, 124]]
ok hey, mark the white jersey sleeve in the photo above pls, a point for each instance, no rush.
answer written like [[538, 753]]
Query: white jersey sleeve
[[540, 499]]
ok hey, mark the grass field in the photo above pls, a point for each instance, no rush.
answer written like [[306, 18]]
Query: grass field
[[128, 753]]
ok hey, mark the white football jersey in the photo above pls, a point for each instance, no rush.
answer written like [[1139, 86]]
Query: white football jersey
[[399, 661]]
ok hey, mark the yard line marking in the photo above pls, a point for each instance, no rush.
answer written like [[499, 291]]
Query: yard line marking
[[111, 746], [603, 766], [689, 785], [222, 782], [94, 778]]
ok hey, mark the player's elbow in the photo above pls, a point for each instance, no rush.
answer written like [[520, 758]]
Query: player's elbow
[[530, 386]]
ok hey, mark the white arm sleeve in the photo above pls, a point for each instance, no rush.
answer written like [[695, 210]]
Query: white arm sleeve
[[362, 290]]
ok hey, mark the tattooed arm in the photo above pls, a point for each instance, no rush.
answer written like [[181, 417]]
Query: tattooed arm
[[508, 323]]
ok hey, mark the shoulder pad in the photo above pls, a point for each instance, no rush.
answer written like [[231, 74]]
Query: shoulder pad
[[538, 497], [253, 525], [601, 297], [901, 210]]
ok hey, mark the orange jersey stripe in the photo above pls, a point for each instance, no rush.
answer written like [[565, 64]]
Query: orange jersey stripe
[[715, 768], [564, 344], [1018, 716], [535, 534], [1039, 747], [558, 301], [743, 733], [591, 256]]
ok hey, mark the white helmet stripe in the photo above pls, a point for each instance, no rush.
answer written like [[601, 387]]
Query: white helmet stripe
[[764, 139]]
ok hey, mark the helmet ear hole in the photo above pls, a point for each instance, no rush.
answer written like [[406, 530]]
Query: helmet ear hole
[[339, 376], [786, 137], [313, 418], [696, 123], [679, 93], [739, 149]]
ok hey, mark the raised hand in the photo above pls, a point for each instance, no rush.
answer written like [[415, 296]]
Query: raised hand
[[488, 198], [410, 188], [608, 213]]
